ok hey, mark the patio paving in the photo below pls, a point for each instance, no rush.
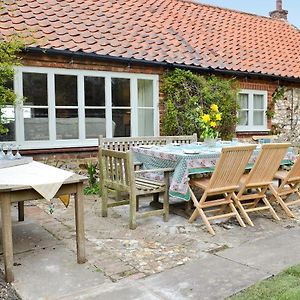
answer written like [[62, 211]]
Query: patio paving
[[173, 260]]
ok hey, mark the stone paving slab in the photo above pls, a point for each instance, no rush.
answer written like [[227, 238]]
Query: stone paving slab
[[28, 236], [270, 254], [52, 273], [211, 277]]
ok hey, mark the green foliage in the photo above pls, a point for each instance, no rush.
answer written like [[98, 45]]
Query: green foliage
[[93, 187], [276, 96], [8, 59], [188, 95]]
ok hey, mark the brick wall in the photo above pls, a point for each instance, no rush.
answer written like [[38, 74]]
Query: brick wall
[[43, 60]]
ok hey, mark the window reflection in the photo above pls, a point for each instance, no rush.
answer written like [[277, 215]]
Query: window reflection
[[67, 124], [66, 90], [120, 89], [121, 118], [7, 118]]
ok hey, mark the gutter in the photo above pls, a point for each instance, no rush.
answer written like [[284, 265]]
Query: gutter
[[107, 58]]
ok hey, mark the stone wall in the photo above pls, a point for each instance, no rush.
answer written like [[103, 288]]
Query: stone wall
[[286, 121]]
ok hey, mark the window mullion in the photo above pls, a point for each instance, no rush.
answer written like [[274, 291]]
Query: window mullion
[[108, 105], [251, 110], [51, 104], [19, 126], [134, 106], [155, 93], [81, 111]]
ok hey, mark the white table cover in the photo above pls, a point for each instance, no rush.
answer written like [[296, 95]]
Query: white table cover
[[46, 180]]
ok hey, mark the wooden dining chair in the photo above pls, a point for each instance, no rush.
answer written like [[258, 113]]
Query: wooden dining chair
[[224, 181], [288, 186], [259, 180], [117, 173]]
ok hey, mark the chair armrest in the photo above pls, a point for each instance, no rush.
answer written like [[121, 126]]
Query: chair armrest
[[165, 170]]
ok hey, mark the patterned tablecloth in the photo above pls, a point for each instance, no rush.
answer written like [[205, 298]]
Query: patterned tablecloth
[[186, 160]]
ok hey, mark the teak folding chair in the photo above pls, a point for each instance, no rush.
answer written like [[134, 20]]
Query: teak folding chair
[[117, 173], [259, 180], [224, 182], [289, 185]]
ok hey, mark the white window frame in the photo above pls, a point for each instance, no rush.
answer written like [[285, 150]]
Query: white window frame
[[82, 141], [251, 126]]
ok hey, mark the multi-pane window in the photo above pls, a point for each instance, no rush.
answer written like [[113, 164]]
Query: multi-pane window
[[71, 108], [252, 110]]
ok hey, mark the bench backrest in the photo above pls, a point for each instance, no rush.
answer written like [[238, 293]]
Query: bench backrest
[[125, 143]]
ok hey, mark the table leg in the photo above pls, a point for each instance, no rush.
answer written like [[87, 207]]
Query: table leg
[[21, 211], [79, 219], [7, 236]]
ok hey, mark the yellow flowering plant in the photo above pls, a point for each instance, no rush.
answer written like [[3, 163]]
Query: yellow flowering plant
[[209, 122]]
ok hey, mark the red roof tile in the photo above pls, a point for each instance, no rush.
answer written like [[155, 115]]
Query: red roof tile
[[171, 31]]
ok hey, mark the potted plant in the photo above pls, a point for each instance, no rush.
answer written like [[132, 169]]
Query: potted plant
[[209, 123]]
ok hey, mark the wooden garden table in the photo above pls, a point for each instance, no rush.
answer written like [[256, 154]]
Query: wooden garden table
[[17, 193]]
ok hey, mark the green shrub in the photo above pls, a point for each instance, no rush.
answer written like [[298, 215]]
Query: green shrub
[[187, 95]]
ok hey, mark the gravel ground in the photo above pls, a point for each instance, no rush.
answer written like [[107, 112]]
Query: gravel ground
[[7, 291]]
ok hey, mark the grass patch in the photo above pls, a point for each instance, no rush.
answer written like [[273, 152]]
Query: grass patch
[[284, 286]]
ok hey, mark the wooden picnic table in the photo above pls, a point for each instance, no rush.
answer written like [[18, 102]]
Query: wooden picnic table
[[16, 193]]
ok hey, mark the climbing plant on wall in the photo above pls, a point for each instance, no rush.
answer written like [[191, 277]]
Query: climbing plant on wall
[[188, 95], [8, 59]]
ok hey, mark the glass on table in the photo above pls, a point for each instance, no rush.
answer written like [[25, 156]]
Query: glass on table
[[9, 153], [2, 153]]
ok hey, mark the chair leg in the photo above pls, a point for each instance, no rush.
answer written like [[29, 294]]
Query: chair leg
[[205, 220], [156, 197], [21, 211], [104, 201], [166, 206], [281, 202], [132, 211], [237, 215], [242, 210], [137, 203], [267, 203]]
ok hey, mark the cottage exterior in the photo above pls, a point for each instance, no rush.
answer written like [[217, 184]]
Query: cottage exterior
[[94, 67]]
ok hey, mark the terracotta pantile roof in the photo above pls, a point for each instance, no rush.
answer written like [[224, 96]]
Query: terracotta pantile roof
[[171, 31]]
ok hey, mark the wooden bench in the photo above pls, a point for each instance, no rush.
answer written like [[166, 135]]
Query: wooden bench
[[117, 173], [125, 143]]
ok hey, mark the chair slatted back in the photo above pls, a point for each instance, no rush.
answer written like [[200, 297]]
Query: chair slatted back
[[125, 143], [266, 164], [116, 169], [294, 173], [230, 167]]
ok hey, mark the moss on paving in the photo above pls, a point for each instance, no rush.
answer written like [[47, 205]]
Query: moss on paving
[[284, 286]]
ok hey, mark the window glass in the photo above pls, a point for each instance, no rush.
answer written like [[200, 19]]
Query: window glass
[[258, 118], [244, 101], [145, 122], [258, 101], [95, 123], [36, 123], [94, 91], [122, 122], [7, 118], [120, 89], [66, 90], [145, 93], [243, 118], [35, 89], [67, 124]]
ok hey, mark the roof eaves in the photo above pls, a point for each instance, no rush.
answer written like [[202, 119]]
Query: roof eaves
[[80, 54]]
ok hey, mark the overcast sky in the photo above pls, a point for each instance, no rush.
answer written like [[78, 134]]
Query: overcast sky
[[261, 7]]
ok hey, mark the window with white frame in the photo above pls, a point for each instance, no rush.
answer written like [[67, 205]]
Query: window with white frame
[[71, 108], [252, 110]]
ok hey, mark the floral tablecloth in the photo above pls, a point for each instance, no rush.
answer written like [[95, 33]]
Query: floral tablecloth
[[186, 163]]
